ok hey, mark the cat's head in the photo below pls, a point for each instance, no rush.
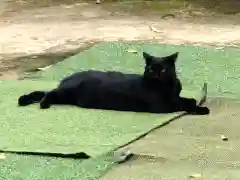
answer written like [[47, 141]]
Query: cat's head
[[160, 68]]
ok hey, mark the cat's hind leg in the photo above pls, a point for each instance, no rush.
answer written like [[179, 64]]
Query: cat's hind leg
[[31, 98], [64, 96], [69, 95], [49, 99]]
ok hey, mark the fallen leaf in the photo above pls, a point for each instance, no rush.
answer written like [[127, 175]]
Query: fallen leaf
[[98, 1], [67, 6], [123, 156], [195, 175], [219, 48], [2, 156], [131, 51], [44, 68], [166, 16], [155, 29], [224, 138]]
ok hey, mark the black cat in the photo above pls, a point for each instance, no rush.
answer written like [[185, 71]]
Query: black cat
[[156, 91]]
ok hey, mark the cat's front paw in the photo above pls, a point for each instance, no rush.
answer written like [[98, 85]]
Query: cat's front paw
[[192, 102], [44, 105], [24, 100], [202, 111]]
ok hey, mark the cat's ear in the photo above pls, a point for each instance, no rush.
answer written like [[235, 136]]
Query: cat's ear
[[172, 58], [148, 58]]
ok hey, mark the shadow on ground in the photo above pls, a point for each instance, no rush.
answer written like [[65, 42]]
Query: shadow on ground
[[190, 145]]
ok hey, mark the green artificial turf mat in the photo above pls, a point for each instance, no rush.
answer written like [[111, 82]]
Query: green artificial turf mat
[[71, 129], [66, 129], [219, 68]]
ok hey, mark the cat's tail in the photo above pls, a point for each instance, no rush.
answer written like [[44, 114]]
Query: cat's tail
[[203, 95], [31, 98]]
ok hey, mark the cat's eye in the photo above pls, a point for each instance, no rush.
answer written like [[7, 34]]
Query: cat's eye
[[150, 69], [163, 70]]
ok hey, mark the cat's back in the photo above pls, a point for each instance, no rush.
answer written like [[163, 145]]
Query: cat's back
[[106, 77]]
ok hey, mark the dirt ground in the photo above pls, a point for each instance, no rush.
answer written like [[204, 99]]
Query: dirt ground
[[190, 146], [39, 36]]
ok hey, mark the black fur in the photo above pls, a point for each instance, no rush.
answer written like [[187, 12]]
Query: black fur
[[156, 91]]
